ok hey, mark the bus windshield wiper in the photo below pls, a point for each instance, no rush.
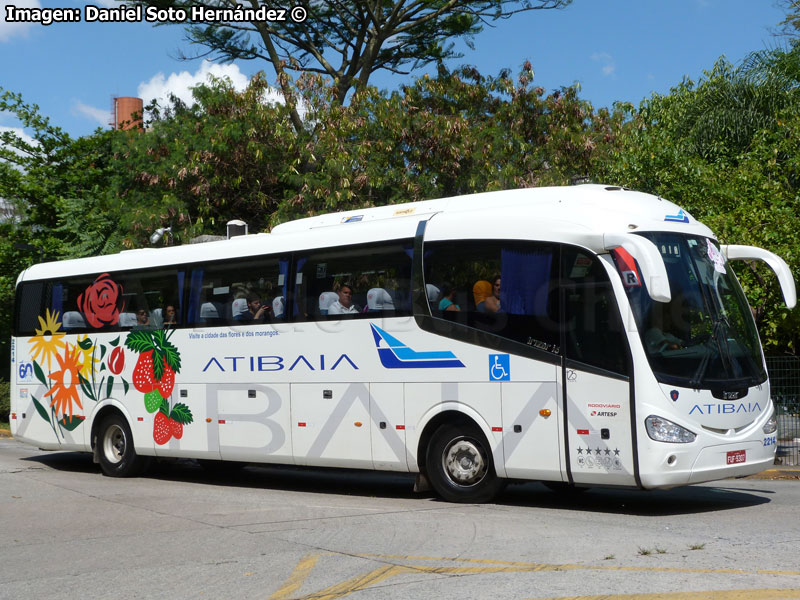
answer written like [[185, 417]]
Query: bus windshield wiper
[[720, 324]]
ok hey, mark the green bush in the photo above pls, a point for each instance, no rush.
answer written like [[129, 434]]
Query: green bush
[[5, 400]]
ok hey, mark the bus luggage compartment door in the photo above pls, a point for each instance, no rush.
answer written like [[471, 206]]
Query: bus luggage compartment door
[[331, 424], [254, 422], [530, 430]]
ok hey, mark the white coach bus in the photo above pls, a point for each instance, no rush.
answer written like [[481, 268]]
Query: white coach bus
[[579, 336]]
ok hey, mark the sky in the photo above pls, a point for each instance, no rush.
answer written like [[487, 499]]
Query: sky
[[616, 50]]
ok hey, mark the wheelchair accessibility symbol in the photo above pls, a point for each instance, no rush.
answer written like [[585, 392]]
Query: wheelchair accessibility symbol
[[499, 367]]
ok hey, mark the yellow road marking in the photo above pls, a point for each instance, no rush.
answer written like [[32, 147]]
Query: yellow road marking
[[575, 567], [483, 566], [296, 579], [356, 584]]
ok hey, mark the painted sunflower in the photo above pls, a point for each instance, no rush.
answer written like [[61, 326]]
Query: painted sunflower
[[65, 388], [88, 361], [47, 342]]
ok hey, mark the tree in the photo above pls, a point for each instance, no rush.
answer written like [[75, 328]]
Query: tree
[[226, 156], [347, 40], [58, 186]]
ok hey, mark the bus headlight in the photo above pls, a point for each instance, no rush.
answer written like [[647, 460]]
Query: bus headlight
[[771, 426], [663, 430]]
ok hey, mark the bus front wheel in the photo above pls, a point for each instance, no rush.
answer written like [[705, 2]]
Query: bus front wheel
[[115, 450], [459, 465]]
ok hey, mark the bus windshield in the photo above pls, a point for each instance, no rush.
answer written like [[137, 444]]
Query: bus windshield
[[705, 337]]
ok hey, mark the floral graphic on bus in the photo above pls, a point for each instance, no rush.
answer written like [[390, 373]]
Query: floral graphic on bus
[[88, 358], [48, 340], [65, 389], [100, 303], [95, 382], [154, 376], [76, 370], [116, 362], [62, 391]]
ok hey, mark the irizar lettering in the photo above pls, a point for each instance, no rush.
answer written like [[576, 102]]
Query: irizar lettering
[[235, 364], [726, 408]]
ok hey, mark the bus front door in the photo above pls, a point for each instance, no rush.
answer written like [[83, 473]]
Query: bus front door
[[599, 447]]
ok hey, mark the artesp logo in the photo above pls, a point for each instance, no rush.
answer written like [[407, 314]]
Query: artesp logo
[[603, 413]]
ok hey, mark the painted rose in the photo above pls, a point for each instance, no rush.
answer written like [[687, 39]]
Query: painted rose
[[99, 303], [116, 362]]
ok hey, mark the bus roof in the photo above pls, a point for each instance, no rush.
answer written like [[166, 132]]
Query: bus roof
[[569, 214]]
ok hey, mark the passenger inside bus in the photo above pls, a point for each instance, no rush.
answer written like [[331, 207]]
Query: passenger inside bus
[[492, 303], [169, 316], [256, 312], [448, 295], [480, 291], [142, 318]]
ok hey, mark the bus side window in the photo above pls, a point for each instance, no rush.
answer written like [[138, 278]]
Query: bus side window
[[525, 310], [29, 307], [225, 293], [379, 276]]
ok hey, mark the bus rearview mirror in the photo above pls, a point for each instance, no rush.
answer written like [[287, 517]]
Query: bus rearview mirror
[[652, 267], [774, 262]]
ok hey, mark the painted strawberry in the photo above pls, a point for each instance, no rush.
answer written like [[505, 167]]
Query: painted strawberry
[[152, 401], [176, 429], [162, 432], [143, 377], [167, 381], [179, 416]]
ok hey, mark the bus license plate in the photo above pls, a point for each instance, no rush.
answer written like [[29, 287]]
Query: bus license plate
[[737, 456]]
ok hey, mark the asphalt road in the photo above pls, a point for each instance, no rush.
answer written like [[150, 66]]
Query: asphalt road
[[280, 533]]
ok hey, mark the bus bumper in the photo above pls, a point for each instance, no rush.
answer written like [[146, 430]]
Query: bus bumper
[[736, 459]]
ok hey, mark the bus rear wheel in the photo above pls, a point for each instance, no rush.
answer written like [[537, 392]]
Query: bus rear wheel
[[115, 450], [460, 466]]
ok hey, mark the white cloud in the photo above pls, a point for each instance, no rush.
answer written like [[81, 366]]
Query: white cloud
[[101, 116], [609, 66], [180, 84], [161, 86], [9, 30]]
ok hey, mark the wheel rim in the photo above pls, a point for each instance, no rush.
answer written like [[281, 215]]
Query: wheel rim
[[463, 462], [114, 444]]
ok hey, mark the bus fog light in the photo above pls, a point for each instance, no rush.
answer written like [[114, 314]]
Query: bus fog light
[[672, 459], [663, 430], [771, 426]]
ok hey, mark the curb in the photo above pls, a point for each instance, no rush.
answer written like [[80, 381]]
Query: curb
[[778, 472], [5, 433]]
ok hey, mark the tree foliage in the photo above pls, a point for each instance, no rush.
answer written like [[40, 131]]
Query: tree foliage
[[198, 166], [235, 155], [347, 40]]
